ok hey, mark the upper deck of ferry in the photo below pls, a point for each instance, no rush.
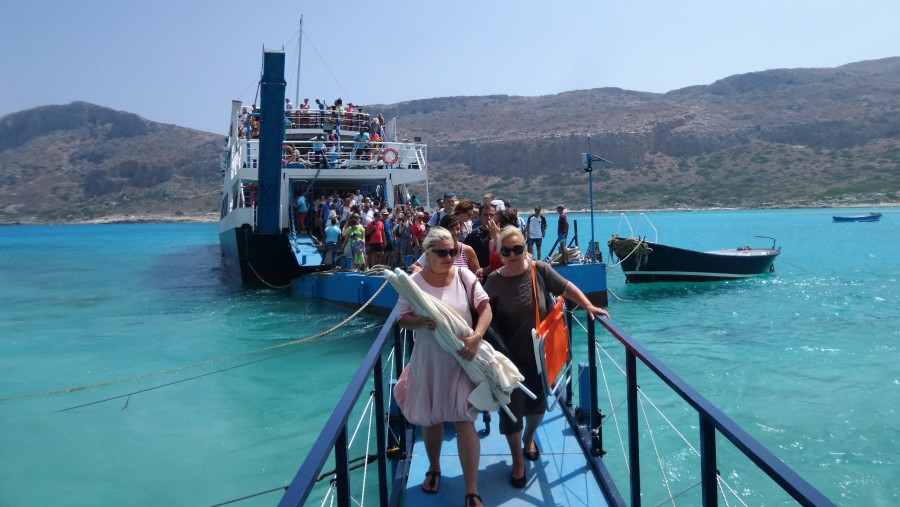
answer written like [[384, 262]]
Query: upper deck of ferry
[[325, 139]]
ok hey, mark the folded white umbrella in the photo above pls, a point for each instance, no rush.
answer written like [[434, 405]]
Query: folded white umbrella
[[493, 374]]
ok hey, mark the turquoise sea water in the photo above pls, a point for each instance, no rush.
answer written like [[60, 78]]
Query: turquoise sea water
[[805, 360]]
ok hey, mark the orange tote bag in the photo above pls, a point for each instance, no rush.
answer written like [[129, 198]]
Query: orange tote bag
[[551, 341]]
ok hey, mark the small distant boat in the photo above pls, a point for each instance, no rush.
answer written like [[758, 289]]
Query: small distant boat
[[869, 217], [644, 261]]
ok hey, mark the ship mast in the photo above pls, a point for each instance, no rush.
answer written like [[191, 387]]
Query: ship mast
[[299, 47]]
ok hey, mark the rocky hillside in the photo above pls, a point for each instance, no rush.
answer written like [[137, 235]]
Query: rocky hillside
[[82, 162], [779, 138]]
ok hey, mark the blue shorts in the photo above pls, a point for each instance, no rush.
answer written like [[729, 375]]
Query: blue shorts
[[563, 239]]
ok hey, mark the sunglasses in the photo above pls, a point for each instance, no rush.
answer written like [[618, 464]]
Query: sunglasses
[[506, 252], [443, 252]]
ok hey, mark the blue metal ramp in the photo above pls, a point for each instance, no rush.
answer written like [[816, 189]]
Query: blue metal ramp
[[559, 477]]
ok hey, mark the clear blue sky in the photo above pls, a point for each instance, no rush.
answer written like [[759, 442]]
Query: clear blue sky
[[183, 61]]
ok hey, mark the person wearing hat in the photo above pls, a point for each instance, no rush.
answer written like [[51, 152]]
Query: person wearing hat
[[354, 242], [562, 233], [449, 203]]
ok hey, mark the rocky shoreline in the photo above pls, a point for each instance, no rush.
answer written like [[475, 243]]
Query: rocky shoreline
[[214, 217]]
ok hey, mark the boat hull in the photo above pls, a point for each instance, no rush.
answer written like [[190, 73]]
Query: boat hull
[[671, 264], [260, 259], [874, 217]]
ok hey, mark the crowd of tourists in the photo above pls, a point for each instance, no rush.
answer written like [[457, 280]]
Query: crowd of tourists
[[366, 232]]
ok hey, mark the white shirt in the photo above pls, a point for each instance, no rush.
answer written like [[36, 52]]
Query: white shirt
[[366, 217]]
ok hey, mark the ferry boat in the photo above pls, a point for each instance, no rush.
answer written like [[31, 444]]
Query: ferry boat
[[273, 156]]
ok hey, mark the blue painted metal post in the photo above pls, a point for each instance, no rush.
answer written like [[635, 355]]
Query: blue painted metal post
[[591, 184], [271, 137], [381, 432], [342, 469], [708, 474], [593, 244], [634, 451], [584, 388]]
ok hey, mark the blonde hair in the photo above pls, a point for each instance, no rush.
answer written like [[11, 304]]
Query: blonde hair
[[508, 231]]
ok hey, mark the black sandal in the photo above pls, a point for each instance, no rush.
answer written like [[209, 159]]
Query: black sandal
[[432, 479], [470, 500], [532, 455], [519, 482]]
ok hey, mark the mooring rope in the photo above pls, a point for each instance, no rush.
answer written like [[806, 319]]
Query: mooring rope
[[204, 363], [267, 284], [616, 295], [617, 245]]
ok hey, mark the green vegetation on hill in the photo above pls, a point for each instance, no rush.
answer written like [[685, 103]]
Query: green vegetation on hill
[[779, 138]]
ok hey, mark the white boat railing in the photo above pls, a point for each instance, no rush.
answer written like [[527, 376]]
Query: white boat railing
[[633, 232], [338, 155]]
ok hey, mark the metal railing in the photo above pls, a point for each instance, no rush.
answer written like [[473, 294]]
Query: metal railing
[[712, 422], [338, 155], [334, 435], [327, 119], [587, 429]]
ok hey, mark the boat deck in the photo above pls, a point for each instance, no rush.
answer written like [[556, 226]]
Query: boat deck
[[559, 477]]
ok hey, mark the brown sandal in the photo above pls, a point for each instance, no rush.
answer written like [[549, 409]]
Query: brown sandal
[[433, 479], [470, 500]]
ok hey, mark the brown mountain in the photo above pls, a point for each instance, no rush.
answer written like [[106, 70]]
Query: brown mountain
[[82, 162], [778, 138]]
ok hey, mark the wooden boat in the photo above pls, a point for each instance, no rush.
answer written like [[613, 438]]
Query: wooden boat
[[644, 261], [868, 217]]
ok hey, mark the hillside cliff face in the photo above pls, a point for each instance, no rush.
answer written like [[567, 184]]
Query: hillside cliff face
[[789, 137], [83, 162], [779, 138]]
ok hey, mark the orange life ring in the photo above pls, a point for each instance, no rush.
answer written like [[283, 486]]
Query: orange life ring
[[395, 156]]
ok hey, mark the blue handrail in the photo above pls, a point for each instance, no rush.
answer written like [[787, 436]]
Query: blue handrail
[[589, 434], [334, 434], [711, 420]]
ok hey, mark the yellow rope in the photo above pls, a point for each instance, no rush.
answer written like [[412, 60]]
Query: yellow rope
[[204, 363]]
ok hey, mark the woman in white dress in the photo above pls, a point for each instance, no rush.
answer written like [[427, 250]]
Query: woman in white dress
[[437, 388]]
